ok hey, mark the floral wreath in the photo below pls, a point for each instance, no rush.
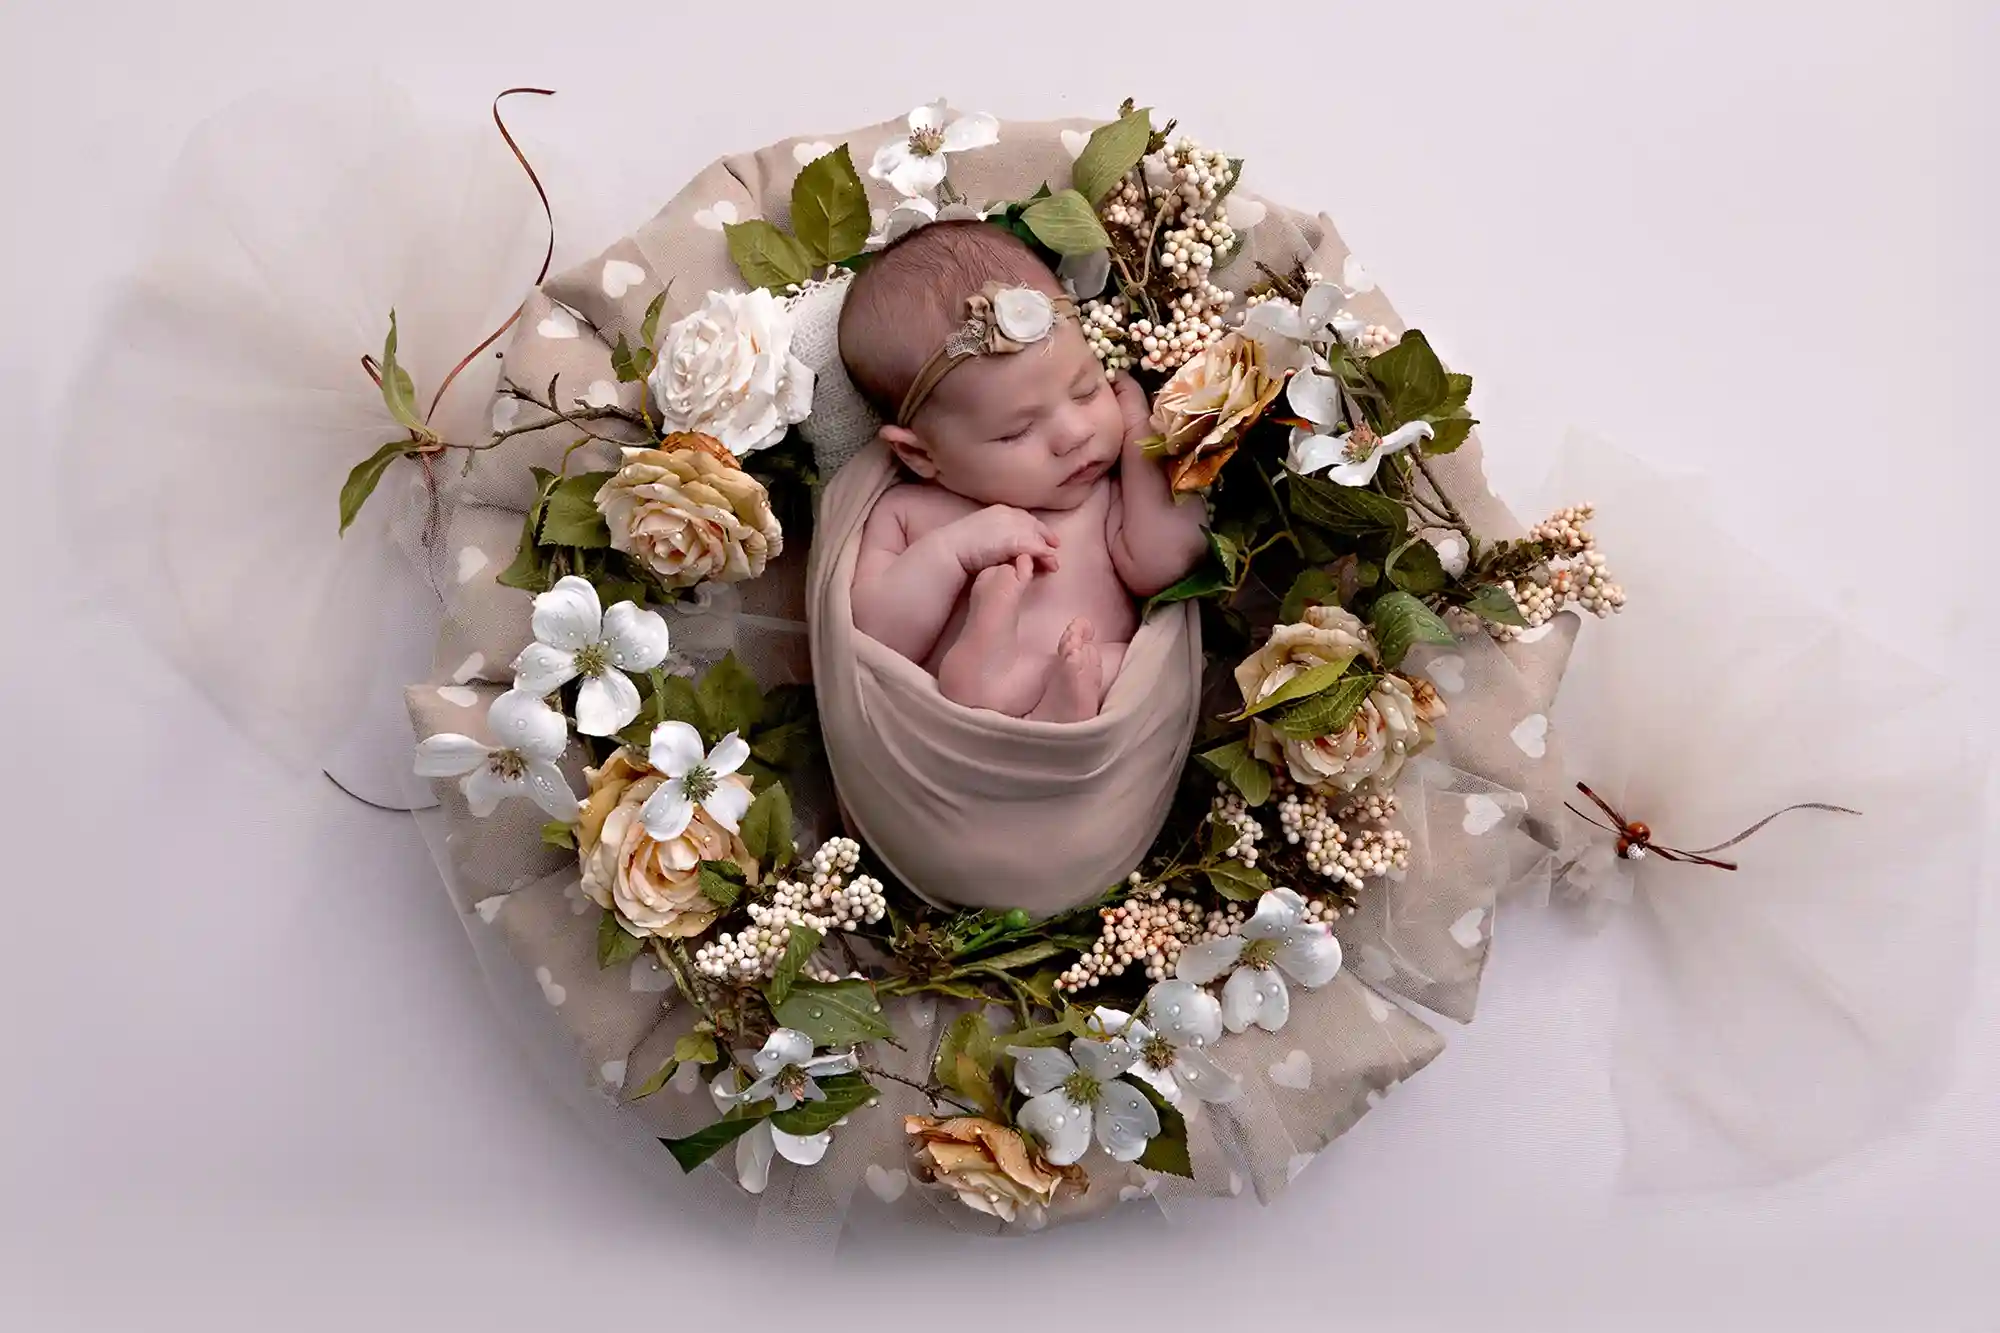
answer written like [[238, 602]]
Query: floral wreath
[[1100, 1038]]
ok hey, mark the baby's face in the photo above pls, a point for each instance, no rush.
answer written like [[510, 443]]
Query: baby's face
[[1034, 429]]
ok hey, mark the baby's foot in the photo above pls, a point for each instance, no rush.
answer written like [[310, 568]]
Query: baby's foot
[[1076, 682], [979, 670]]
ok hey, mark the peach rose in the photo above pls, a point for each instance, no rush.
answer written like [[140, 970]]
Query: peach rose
[[688, 514], [654, 886], [1202, 412]]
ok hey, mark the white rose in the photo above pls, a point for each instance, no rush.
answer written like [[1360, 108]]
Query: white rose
[[727, 370], [1023, 314]]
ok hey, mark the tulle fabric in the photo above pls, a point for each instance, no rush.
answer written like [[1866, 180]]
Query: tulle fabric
[[1779, 1016], [223, 402]]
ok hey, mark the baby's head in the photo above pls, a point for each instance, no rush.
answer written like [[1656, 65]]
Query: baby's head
[[1032, 428]]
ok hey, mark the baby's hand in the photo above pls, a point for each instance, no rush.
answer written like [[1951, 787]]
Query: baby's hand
[[998, 534], [1133, 407]]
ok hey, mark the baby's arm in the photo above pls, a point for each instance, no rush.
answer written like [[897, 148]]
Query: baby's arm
[[1154, 540], [905, 590]]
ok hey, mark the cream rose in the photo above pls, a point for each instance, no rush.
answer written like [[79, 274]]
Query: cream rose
[[687, 513], [1390, 725], [1202, 412], [654, 886], [727, 370], [989, 1167]]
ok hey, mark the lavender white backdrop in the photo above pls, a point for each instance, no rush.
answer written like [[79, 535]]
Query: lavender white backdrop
[[1747, 238]]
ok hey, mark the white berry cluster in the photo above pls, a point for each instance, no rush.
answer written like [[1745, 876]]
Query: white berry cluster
[[1346, 856], [1171, 209], [1228, 810], [1147, 930], [826, 900], [1374, 340], [1577, 574]]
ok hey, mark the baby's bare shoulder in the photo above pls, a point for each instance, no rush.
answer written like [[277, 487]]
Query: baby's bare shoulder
[[908, 510]]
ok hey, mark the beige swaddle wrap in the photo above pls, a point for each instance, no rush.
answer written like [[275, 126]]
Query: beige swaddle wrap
[[974, 808]]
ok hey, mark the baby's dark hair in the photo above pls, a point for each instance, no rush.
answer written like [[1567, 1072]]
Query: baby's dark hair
[[900, 308]]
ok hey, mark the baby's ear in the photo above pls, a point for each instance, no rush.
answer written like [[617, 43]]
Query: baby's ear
[[909, 450]]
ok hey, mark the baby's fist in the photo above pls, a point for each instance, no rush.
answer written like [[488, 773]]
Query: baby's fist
[[1132, 406], [1001, 534]]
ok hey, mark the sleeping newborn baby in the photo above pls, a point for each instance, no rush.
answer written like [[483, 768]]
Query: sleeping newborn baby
[[1010, 566]]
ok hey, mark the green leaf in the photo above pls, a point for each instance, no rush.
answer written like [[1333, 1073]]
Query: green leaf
[[1327, 713], [799, 947], [1414, 567], [1234, 763], [1497, 605], [1228, 551], [729, 697], [1302, 686], [398, 392], [1449, 434], [555, 833], [721, 882], [615, 944], [1400, 621], [767, 827], [698, 1046], [1066, 223], [765, 256], [655, 1083], [1025, 956], [1167, 1151], [696, 1148], [836, 1014], [1346, 510], [830, 207], [1410, 376], [630, 363], [571, 517], [1313, 587], [786, 746], [367, 474], [1457, 393], [1113, 150], [845, 1094], [1208, 579], [649, 327], [967, 1063], [1238, 882], [673, 700], [530, 572]]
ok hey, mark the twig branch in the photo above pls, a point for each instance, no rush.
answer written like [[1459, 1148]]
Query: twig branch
[[937, 1095]]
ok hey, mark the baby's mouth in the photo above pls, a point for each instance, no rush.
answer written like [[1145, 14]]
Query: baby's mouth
[[1089, 472]]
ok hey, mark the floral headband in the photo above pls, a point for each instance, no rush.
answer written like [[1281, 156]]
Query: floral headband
[[998, 319]]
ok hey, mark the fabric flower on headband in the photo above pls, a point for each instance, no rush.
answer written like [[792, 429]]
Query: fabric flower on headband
[[998, 319]]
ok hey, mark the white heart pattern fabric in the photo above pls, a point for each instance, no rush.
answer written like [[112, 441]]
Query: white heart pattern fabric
[[489, 908], [716, 216], [557, 324], [884, 1184], [1482, 814], [805, 154], [553, 992], [601, 393], [1074, 142], [1448, 673], [613, 1073], [620, 277], [469, 668], [1466, 930], [470, 561], [505, 411], [1295, 1071], [1532, 735], [458, 695]]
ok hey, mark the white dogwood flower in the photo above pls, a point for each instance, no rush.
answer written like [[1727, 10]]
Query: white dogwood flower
[[1276, 942], [1172, 1047], [575, 636], [530, 737], [694, 778], [1071, 1093], [1288, 332], [914, 165], [785, 1067], [1351, 459]]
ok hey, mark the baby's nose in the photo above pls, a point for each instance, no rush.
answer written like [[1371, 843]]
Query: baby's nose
[[1072, 430]]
